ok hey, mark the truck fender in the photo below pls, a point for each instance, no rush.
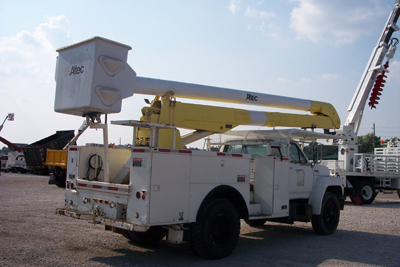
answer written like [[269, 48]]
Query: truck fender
[[226, 192], [323, 184]]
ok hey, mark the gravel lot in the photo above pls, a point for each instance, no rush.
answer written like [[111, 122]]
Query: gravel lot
[[32, 235]]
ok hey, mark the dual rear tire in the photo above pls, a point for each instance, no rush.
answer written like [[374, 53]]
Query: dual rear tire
[[215, 235], [365, 189]]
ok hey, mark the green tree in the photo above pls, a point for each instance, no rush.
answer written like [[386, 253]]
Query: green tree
[[366, 143]]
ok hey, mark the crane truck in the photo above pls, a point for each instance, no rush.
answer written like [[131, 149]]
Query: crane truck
[[157, 189], [380, 172], [364, 174], [14, 161]]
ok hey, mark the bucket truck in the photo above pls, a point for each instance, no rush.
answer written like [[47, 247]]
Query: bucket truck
[[159, 190], [369, 174], [14, 161]]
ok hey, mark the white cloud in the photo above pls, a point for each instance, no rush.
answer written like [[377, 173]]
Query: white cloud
[[329, 76], [23, 52], [283, 80], [337, 22], [260, 14], [303, 80], [234, 6], [306, 80], [27, 66]]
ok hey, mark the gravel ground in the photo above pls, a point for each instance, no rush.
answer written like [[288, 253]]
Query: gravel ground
[[32, 235]]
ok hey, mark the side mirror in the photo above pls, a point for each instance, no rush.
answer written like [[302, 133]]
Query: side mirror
[[317, 153]]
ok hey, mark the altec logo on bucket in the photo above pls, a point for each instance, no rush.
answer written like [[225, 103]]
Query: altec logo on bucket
[[74, 70]]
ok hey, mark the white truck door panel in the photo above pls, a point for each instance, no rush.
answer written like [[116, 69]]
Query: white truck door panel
[[301, 178], [264, 184], [281, 188], [169, 189], [271, 185], [220, 169]]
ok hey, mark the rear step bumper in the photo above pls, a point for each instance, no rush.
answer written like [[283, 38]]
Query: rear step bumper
[[104, 221]]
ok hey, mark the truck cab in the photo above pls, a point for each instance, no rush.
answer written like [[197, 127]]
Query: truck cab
[[300, 178], [300, 167]]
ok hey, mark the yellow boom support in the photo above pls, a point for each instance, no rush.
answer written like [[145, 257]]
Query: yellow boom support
[[213, 119]]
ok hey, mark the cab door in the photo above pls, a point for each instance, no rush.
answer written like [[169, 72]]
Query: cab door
[[301, 178]]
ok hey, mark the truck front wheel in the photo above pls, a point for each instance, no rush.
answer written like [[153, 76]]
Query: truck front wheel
[[215, 235], [327, 222]]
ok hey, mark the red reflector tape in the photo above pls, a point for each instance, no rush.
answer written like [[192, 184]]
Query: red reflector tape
[[83, 185], [73, 149], [139, 150], [220, 154], [237, 155], [285, 158], [97, 186], [185, 151], [113, 188]]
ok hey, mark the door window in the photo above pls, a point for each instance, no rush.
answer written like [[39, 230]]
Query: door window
[[295, 154]]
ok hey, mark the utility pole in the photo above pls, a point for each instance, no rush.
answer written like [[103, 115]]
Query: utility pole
[[373, 140]]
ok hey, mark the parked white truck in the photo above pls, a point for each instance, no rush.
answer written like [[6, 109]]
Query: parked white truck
[[158, 189], [13, 161], [199, 196], [380, 172]]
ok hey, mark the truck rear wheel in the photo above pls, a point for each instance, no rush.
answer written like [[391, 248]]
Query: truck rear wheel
[[152, 236], [327, 222], [60, 176], [365, 189], [215, 235]]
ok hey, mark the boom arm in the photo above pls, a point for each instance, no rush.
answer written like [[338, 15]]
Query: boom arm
[[12, 146], [93, 77], [207, 120], [383, 48], [211, 93]]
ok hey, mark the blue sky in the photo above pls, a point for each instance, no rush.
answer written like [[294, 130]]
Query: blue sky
[[300, 48]]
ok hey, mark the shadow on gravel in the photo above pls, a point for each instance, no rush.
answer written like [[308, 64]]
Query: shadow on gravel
[[392, 204], [274, 245], [160, 255]]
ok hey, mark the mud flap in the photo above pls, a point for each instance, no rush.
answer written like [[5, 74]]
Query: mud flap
[[52, 179], [352, 194]]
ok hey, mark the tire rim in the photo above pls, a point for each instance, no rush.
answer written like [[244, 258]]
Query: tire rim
[[366, 192], [330, 214]]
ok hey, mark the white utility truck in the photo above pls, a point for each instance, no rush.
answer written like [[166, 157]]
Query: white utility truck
[[157, 189], [14, 161], [380, 172]]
